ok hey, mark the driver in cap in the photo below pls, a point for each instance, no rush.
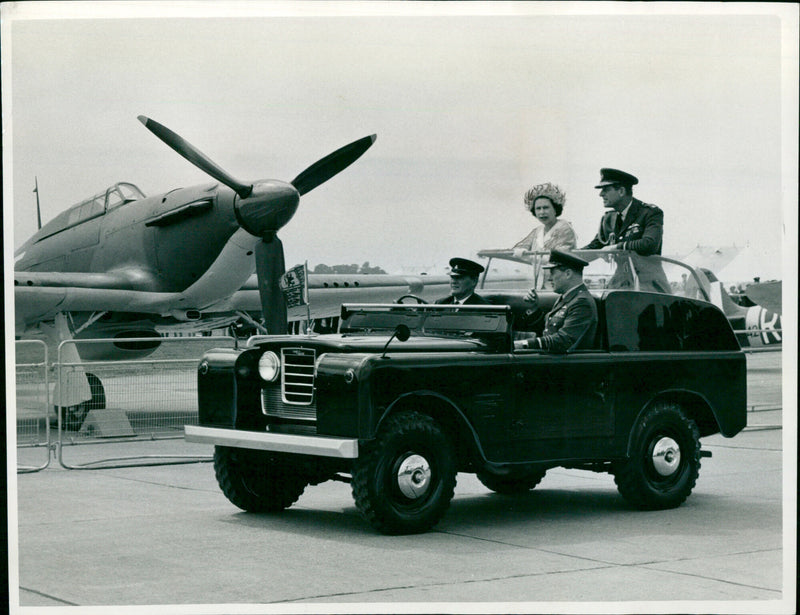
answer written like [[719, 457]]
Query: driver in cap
[[463, 280]]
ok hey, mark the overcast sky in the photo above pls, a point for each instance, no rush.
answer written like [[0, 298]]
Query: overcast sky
[[472, 104]]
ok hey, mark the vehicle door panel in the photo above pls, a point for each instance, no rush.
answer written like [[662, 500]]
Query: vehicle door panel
[[563, 404]]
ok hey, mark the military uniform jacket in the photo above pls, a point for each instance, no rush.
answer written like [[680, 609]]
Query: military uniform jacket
[[572, 323], [641, 232], [473, 299]]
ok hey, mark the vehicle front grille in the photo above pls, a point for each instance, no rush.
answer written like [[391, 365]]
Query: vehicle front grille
[[295, 400], [297, 375], [272, 404]]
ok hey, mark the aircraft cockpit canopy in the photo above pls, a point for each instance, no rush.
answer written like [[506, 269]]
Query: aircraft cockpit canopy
[[122, 193], [114, 196]]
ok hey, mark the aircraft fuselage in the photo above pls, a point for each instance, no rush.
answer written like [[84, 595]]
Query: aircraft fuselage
[[163, 243]]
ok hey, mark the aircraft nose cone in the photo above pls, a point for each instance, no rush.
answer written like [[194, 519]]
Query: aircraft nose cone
[[268, 208]]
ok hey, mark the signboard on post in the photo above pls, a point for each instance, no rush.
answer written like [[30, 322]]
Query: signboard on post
[[294, 285]]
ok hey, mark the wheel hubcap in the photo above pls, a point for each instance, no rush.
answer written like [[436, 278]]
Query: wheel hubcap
[[666, 456], [414, 476]]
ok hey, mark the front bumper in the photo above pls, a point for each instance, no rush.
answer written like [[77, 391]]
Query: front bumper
[[320, 446]]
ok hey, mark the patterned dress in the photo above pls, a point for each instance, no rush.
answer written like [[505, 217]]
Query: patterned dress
[[560, 237]]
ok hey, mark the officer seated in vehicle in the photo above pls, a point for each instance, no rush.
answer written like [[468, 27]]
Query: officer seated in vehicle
[[572, 323], [463, 280]]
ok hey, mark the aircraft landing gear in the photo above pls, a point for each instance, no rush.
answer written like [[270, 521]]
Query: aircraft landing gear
[[72, 417]]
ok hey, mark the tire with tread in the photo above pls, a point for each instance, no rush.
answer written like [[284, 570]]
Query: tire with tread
[[512, 483], [404, 480], [664, 463], [257, 481]]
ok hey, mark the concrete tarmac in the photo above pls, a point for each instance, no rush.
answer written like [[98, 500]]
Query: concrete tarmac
[[163, 537]]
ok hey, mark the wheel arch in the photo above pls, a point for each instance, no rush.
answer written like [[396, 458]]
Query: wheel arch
[[694, 405], [442, 409]]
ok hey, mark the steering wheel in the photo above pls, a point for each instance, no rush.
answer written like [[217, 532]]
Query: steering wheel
[[418, 299]]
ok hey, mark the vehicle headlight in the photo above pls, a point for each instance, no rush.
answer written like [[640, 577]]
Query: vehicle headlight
[[269, 366]]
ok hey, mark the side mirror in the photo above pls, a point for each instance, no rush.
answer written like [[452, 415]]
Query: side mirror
[[401, 332]]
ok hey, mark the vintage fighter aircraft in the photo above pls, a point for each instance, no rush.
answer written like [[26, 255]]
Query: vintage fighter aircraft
[[759, 322], [124, 266]]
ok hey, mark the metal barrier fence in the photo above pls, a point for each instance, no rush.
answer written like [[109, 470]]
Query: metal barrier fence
[[139, 400], [131, 400], [32, 407]]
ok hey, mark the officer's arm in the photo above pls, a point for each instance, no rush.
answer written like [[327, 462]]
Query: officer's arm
[[578, 320], [595, 244], [651, 237], [601, 238]]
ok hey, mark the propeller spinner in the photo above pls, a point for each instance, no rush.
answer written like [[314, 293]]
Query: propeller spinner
[[265, 206]]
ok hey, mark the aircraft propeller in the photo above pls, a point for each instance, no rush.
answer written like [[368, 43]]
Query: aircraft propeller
[[265, 206]]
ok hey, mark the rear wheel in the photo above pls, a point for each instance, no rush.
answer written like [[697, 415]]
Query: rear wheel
[[516, 481], [257, 481], [403, 481], [664, 462]]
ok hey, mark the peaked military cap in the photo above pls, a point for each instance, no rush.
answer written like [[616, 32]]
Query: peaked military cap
[[609, 177], [564, 259], [463, 266]]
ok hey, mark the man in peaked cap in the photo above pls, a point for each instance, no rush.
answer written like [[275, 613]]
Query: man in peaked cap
[[572, 323], [631, 225], [463, 280]]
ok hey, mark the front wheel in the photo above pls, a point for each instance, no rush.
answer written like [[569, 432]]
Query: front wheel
[[664, 462], [403, 481], [257, 481]]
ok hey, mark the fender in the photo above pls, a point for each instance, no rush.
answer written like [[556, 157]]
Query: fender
[[462, 423], [697, 407]]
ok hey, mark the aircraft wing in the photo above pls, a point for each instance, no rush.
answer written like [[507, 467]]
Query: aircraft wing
[[39, 296], [38, 303], [122, 280], [767, 295]]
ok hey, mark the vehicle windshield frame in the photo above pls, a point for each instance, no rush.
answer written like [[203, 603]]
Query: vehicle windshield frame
[[425, 320], [535, 258]]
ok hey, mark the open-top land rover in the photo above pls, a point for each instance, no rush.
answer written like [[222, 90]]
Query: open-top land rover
[[407, 395]]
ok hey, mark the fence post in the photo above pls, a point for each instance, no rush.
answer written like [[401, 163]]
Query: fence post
[[32, 402]]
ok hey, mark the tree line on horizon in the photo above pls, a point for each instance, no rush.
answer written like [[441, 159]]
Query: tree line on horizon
[[365, 268]]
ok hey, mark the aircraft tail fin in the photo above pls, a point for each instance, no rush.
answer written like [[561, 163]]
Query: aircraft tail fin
[[721, 298]]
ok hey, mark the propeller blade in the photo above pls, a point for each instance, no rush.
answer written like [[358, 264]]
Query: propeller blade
[[196, 157], [325, 168], [270, 267]]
